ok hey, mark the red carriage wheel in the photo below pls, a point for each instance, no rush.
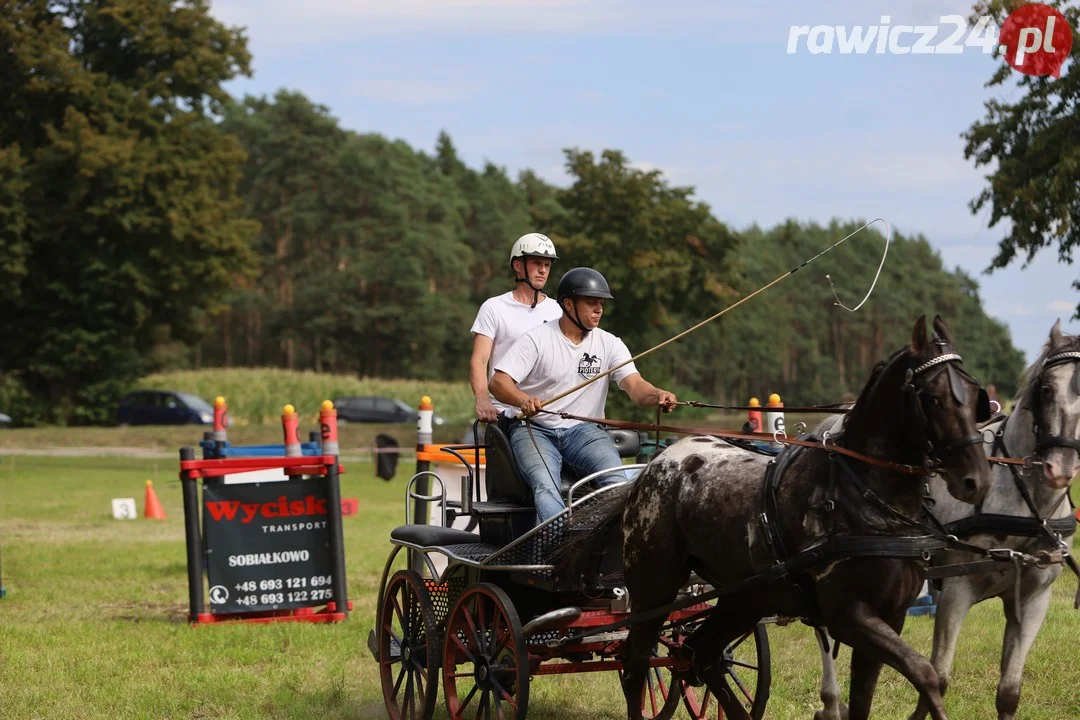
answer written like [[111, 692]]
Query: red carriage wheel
[[660, 700], [485, 661], [748, 672], [408, 648]]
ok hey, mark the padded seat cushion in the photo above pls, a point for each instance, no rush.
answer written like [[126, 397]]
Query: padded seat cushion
[[432, 535]]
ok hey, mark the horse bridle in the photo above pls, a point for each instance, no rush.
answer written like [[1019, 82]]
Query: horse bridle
[[1042, 441], [948, 363]]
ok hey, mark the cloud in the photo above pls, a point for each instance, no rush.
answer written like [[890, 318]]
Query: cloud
[[967, 255], [1011, 310], [868, 11], [285, 23], [413, 91], [1061, 306], [590, 97]]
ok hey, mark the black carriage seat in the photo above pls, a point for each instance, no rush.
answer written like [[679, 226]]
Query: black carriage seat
[[509, 512], [504, 480]]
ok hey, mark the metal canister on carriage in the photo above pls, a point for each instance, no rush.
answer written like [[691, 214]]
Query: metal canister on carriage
[[774, 416]]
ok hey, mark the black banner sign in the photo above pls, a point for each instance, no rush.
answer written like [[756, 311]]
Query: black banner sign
[[267, 546]]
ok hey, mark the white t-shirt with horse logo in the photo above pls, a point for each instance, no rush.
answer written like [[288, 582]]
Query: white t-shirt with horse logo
[[544, 363]]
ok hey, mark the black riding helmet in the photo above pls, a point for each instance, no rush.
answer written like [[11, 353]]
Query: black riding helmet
[[581, 282]]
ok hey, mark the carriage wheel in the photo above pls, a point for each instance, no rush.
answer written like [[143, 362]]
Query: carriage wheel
[[660, 700], [749, 674], [408, 648], [485, 661]]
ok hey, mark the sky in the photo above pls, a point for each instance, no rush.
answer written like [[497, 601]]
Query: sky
[[706, 92]]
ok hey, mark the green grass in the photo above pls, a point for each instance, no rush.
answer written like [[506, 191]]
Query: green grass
[[93, 624]]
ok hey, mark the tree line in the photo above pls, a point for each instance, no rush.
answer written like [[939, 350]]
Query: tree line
[[148, 221]]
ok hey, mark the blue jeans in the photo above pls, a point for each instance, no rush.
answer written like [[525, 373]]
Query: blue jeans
[[585, 448]]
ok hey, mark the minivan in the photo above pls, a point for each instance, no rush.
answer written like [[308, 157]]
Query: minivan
[[374, 409], [163, 407]]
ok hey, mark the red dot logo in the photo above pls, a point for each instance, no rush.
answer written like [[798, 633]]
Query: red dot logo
[[1035, 40]]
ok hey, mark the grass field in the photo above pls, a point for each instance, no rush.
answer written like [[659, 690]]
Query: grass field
[[93, 625]]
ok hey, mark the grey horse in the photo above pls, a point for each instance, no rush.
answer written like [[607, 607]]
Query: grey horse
[[1044, 424]]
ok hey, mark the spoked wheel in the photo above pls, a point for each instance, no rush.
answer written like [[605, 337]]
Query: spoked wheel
[[748, 672], [408, 648], [661, 695], [485, 661]]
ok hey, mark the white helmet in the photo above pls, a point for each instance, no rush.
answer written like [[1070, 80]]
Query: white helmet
[[533, 245]]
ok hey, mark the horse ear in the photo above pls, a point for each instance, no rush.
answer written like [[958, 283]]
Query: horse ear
[[1055, 334], [942, 330], [918, 335]]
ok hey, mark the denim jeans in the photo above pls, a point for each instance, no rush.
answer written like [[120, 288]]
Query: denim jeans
[[585, 448]]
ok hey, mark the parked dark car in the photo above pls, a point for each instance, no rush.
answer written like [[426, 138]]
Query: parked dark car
[[374, 409], [163, 407]]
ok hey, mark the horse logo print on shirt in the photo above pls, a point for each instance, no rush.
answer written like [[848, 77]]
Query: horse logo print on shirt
[[589, 366]]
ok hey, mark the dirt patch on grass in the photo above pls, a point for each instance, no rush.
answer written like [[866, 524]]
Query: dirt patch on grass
[[146, 611]]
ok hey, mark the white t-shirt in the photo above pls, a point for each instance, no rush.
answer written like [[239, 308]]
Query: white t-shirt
[[544, 363], [504, 320]]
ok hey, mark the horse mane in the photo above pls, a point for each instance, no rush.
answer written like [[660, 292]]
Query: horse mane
[[862, 409]]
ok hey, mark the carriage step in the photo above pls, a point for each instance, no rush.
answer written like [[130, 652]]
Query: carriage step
[[550, 620], [614, 636]]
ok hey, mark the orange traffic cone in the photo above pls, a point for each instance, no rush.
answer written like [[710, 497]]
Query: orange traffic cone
[[153, 510]]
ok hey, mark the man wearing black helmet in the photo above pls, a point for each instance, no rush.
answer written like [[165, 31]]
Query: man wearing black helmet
[[553, 358]]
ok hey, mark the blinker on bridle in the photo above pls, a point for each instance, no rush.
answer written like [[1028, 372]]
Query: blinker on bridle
[[958, 391], [1044, 442]]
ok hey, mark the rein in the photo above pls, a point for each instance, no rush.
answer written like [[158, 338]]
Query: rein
[[837, 409], [779, 438]]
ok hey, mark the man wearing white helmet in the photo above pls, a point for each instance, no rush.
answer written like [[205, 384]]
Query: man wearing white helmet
[[504, 318]]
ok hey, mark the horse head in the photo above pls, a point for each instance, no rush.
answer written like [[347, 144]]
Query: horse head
[[1051, 393], [941, 405], [948, 404]]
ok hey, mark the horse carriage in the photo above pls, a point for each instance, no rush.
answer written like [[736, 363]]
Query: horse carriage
[[671, 578], [496, 616]]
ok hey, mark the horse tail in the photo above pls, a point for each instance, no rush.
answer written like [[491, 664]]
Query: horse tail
[[587, 533]]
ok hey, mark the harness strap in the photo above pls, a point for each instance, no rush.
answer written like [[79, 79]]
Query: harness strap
[[996, 524], [822, 553]]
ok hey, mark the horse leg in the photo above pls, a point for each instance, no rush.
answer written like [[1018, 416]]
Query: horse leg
[[874, 641], [1019, 636], [832, 708], [639, 645], [957, 597], [706, 646], [653, 580], [865, 671]]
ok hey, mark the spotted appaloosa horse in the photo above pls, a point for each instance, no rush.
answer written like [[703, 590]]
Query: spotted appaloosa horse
[[698, 507]]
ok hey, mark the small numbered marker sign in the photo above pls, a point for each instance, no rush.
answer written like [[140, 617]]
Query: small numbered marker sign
[[124, 508]]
